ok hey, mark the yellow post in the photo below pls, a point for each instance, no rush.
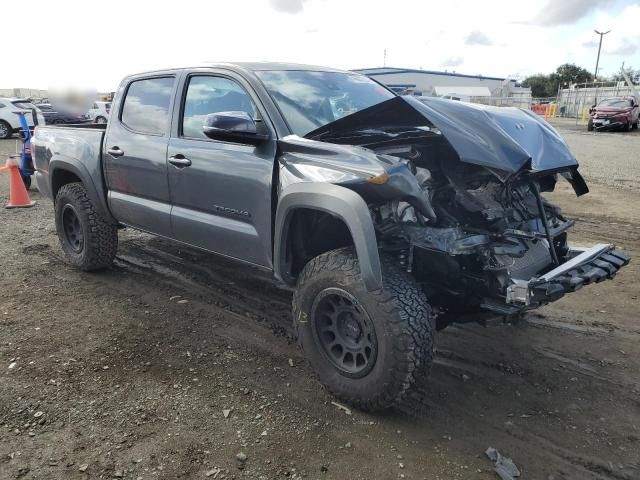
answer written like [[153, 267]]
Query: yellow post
[[585, 112]]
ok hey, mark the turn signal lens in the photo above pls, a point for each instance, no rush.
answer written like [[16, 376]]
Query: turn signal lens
[[378, 179]]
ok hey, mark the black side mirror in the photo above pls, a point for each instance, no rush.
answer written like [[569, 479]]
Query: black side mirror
[[237, 127]]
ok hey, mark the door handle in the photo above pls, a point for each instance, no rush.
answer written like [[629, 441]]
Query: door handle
[[179, 161], [115, 152]]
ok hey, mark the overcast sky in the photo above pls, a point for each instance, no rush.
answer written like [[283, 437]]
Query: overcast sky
[[94, 44]]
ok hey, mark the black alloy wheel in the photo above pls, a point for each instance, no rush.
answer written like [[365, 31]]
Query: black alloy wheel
[[72, 228], [344, 332]]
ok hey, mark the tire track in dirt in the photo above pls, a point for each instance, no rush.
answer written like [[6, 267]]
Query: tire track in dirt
[[498, 360]]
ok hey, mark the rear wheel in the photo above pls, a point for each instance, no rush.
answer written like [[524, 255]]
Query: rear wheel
[[636, 124], [5, 130], [367, 348], [88, 240]]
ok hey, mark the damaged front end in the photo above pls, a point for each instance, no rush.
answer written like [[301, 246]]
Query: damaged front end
[[455, 194]]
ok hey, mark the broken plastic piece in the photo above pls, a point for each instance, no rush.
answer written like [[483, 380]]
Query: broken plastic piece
[[505, 468]]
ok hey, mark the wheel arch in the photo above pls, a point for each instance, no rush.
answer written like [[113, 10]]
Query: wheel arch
[[66, 170], [329, 201]]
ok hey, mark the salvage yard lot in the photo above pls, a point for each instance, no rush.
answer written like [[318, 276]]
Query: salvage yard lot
[[173, 362]]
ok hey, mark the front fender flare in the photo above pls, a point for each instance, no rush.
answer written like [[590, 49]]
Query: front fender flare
[[339, 202]]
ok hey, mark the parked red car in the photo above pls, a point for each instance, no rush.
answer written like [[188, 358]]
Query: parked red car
[[614, 113]]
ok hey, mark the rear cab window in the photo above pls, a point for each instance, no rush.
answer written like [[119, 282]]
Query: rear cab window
[[146, 105]]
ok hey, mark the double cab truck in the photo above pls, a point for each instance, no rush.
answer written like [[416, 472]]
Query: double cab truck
[[390, 217]]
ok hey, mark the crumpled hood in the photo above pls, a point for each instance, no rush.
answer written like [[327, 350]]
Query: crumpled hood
[[503, 138]]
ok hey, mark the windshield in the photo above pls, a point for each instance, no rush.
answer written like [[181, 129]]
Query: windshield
[[309, 100], [615, 102]]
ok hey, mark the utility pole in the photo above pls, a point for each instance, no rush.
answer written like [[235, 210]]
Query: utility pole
[[602, 34], [384, 61]]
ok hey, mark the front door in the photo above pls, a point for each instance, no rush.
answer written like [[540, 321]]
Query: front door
[[220, 191], [135, 155]]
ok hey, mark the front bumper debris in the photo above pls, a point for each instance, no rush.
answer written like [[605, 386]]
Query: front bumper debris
[[584, 266], [609, 125]]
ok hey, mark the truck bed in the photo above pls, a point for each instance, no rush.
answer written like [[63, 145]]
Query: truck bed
[[78, 145]]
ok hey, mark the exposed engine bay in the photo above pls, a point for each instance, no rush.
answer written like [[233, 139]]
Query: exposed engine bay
[[473, 228], [476, 235]]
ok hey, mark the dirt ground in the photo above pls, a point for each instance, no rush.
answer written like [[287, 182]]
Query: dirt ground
[[173, 362]]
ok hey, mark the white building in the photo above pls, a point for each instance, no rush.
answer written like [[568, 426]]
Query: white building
[[446, 84]]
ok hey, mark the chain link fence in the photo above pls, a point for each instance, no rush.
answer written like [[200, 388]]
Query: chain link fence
[[573, 102]]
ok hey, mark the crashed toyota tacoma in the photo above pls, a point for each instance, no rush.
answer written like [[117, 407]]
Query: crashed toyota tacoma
[[390, 217]]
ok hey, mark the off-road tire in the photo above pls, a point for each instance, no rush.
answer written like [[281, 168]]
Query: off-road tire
[[100, 237], [401, 317], [7, 129]]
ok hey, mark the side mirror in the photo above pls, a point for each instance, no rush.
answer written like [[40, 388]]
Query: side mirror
[[236, 127]]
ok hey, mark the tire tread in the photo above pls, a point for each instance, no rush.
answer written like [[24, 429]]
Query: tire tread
[[406, 310], [102, 239]]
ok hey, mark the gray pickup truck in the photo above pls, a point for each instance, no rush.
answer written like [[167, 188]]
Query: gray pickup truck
[[391, 216]]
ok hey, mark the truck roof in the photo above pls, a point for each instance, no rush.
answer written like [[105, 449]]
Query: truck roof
[[251, 66]]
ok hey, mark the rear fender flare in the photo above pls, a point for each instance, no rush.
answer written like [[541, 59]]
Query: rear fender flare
[[341, 203], [96, 194]]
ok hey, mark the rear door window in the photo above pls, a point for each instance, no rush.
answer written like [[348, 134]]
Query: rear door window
[[146, 105]]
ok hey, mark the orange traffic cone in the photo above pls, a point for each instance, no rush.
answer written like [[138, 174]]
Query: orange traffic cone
[[18, 196]]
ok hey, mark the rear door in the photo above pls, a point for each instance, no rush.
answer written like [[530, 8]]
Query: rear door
[[222, 198], [135, 154]]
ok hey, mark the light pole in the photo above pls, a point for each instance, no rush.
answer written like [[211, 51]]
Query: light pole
[[602, 34]]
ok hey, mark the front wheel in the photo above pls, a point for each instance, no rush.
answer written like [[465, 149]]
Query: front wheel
[[5, 130], [101, 120], [88, 240], [367, 348]]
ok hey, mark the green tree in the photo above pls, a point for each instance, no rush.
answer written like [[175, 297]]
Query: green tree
[[547, 85], [540, 85], [571, 73], [634, 75]]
